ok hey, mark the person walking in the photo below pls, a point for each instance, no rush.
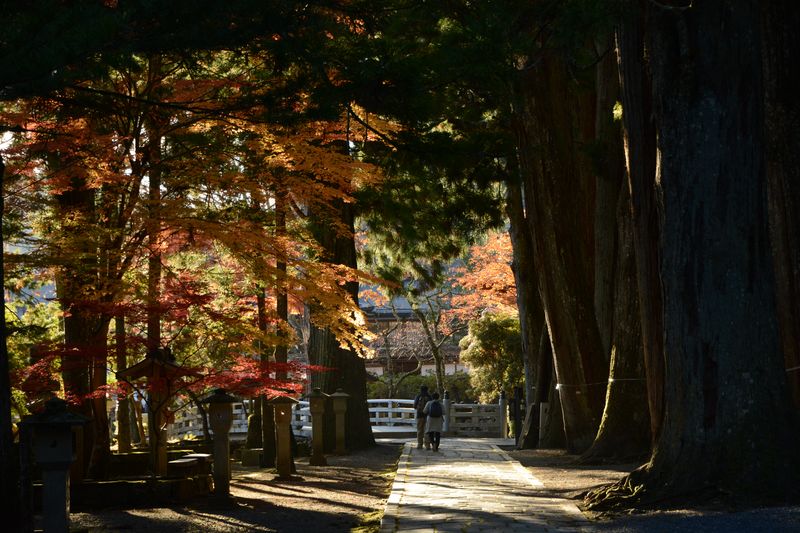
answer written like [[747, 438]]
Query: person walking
[[434, 420], [420, 402]]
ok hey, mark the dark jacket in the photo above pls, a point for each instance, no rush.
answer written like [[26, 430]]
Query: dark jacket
[[419, 403]]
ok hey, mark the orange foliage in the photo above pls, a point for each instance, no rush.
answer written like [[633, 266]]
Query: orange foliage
[[487, 280]]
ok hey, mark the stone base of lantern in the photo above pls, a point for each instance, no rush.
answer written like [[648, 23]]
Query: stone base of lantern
[[252, 456]]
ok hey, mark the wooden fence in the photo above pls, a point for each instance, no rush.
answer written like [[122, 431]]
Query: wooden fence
[[388, 417]]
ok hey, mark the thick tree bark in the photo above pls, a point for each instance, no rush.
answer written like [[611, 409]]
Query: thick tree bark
[[781, 50], [609, 167], [621, 433], [559, 194], [348, 371], [727, 423], [640, 153], [625, 428], [551, 430], [77, 213]]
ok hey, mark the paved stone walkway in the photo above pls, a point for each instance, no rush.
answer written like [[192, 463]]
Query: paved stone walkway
[[472, 485]]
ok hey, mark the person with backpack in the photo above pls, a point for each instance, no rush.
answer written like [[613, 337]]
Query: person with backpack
[[434, 421], [420, 402]]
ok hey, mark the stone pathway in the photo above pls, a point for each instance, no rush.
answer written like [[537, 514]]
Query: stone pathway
[[472, 485]]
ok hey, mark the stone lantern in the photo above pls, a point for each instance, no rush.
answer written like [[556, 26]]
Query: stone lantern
[[161, 372], [283, 434], [52, 447], [316, 401], [220, 418], [340, 409]]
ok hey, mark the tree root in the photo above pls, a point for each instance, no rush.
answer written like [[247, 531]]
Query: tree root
[[623, 495]]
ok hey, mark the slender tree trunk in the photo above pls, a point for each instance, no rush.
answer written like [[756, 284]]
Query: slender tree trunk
[[9, 463], [531, 315], [157, 398], [640, 152], [123, 403], [428, 328], [267, 419], [559, 187], [154, 241], [101, 447], [281, 300], [781, 50], [529, 304]]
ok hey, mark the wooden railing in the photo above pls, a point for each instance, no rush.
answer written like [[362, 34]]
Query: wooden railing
[[387, 416]]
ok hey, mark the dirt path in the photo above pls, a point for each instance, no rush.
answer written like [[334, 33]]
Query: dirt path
[[336, 498], [562, 476], [330, 499]]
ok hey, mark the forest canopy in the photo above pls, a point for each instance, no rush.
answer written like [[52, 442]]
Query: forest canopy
[[211, 183]]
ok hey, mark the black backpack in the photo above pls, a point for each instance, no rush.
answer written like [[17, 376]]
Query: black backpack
[[436, 409]]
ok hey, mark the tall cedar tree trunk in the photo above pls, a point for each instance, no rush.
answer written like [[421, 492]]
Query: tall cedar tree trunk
[[124, 403], [9, 464], [727, 423], [609, 168], [551, 430], [621, 433], [531, 315], [625, 428], [781, 51], [559, 186], [348, 371], [640, 155], [157, 398], [281, 306], [77, 211]]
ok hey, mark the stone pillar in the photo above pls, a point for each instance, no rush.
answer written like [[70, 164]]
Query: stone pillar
[[55, 499], [517, 413], [220, 417], [340, 409], [446, 412], [52, 448], [158, 434], [503, 415], [316, 401], [283, 435], [544, 415]]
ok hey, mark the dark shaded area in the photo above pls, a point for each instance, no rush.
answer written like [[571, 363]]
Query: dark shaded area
[[318, 499]]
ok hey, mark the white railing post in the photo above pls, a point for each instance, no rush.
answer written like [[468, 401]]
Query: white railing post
[[387, 416], [446, 412], [503, 406]]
